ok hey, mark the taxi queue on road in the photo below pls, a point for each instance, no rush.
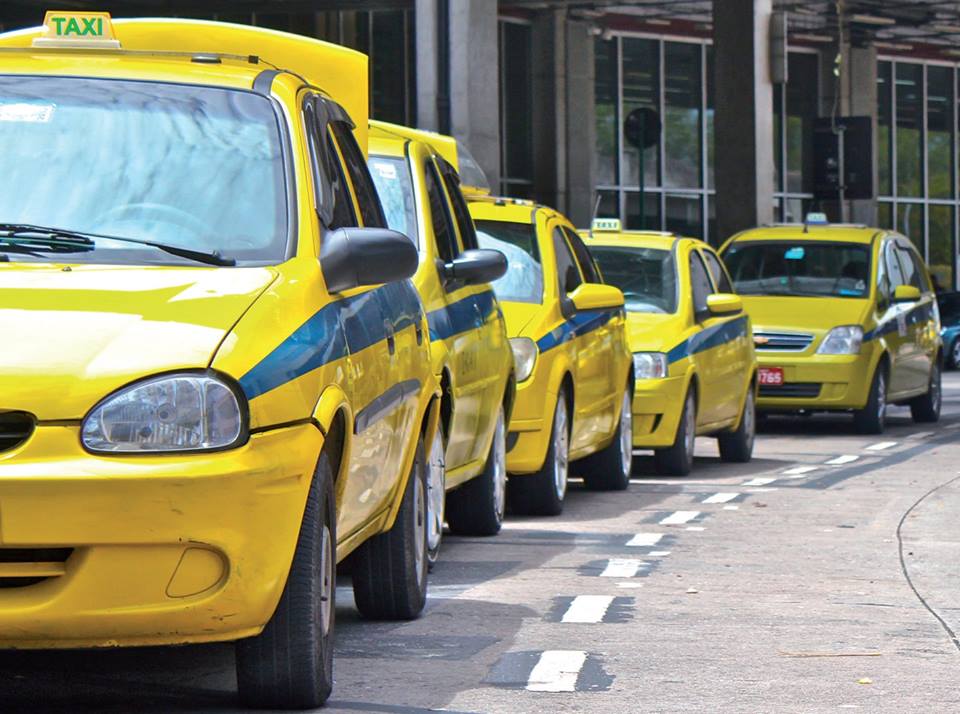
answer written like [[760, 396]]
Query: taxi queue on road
[[258, 335]]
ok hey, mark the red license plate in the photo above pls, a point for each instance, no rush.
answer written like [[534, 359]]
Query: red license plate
[[771, 376]]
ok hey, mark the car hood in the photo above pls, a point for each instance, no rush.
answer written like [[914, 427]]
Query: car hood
[[652, 332], [519, 316], [72, 335], [803, 314]]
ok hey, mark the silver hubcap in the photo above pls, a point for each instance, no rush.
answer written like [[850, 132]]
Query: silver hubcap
[[500, 466], [935, 388], [956, 353], [749, 418], [881, 397], [436, 492], [690, 419], [420, 527], [326, 581], [626, 433], [561, 445]]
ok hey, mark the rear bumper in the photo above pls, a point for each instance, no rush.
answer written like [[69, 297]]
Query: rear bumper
[[818, 382], [163, 550], [657, 407]]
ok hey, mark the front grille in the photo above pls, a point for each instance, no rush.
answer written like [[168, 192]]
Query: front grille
[[782, 341], [22, 567], [15, 428], [802, 390]]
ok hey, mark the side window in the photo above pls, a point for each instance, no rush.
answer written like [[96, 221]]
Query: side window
[[370, 209], [439, 216], [343, 213], [699, 283], [587, 266], [912, 270], [331, 194], [884, 289], [567, 271], [894, 271], [468, 233], [718, 272]]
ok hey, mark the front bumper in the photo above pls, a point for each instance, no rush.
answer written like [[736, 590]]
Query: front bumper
[[657, 407], [818, 382], [162, 550]]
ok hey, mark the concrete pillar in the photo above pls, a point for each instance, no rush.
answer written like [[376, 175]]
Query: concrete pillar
[[475, 81], [581, 123], [743, 122], [425, 29]]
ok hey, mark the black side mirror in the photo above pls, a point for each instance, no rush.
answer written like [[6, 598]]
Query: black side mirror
[[476, 266], [351, 257]]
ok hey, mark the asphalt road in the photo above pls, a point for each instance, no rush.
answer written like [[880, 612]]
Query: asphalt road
[[822, 577]]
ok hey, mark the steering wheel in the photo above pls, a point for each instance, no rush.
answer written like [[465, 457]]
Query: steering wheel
[[162, 212]]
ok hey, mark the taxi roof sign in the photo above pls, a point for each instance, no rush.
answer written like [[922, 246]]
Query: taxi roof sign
[[63, 28], [816, 219], [606, 224]]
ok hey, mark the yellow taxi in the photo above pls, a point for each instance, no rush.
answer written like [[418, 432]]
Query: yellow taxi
[[573, 366], [693, 355], [845, 319], [215, 381], [472, 359]]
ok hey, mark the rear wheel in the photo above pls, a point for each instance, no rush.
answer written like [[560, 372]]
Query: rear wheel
[[872, 419], [926, 408], [476, 508], [436, 497], [542, 493], [609, 470], [737, 446], [390, 570], [677, 460], [290, 664]]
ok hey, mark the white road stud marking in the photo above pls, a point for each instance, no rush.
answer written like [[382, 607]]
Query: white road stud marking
[[720, 498], [629, 585], [731, 508], [798, 471], [659, 553], [696, 528], [587, 608], [759, 481], [622, 568], [678, 518], [645, 539], [556, 671], [841, 460], [881, 446]]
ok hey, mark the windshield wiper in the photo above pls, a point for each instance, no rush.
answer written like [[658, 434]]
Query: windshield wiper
[[63, 240]]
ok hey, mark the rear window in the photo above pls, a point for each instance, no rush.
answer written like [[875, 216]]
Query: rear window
[[800, 268], [523, 281], [646, 276]]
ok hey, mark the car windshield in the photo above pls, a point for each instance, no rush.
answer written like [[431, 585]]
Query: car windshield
[[647, 276], [523, 281], [199, 168], [949, 309], [800, 268], [395, 187]]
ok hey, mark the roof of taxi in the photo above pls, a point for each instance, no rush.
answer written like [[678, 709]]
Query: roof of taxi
[[631, 238], [836, 232], [338, 71], [503, 208], [386, 133]]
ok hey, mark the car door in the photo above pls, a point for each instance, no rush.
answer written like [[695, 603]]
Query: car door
[[710, 370], [893, 323], [734, 350], [920, 319]]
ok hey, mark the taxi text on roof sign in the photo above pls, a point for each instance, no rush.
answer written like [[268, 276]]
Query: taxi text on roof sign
[[77, 29], [606, 224]]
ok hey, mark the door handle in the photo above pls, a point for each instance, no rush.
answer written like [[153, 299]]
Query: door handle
[[391, 337]]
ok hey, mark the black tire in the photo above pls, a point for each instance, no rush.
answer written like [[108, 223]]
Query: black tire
[[477, 507], [390, 569], [542, 493], [925, 409], [954, 359], [872, 419], [290, 664], [610, 469], [677, 460], [436, 496], [737, 446]]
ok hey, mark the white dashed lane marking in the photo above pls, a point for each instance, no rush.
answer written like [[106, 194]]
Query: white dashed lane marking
[[645, 539], [731, 508], [759, 481], [678, 518], [720, 498], [841, 460], [622, 568], [587, 609], [922, 435], [557, 671], [696, 528], [798, 471], [882, 446], [658, 553]]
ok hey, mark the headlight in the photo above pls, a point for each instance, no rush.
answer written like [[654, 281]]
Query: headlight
[[649, 365], [524, 356], [178, 412], [844, 340]]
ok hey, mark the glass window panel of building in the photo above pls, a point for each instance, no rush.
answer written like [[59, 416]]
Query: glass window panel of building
[[917, 105], [794, 114], [516, 107]]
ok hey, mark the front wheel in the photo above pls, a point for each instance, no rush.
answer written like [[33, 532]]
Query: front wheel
[[737, 446], [542, 493], [290, 664], [390, 569], [925, 409], [476, 508], [677, 460], [609, 469], [872, 419], [436, 497]]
